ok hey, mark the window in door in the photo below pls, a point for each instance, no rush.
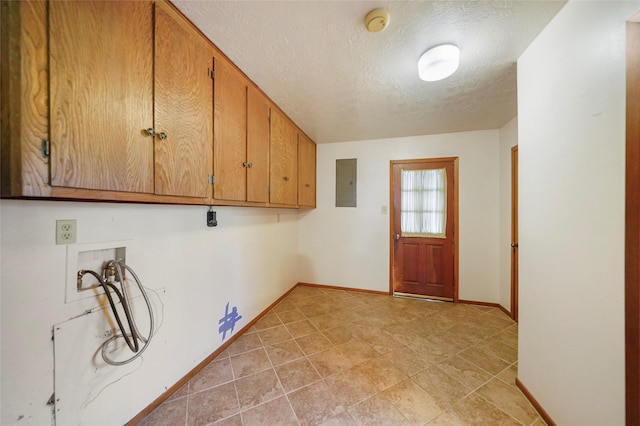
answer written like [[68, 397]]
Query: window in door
[[423, 203]]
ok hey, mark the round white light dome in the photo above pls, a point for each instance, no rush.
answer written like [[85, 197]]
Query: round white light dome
[[439, 62]]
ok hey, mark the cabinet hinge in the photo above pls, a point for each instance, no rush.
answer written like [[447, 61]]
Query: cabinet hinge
[[45, 148], [212, 73], [269, 117], [210, 179]]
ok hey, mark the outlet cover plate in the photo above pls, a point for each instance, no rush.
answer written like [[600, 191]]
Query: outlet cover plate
[[66, 231]]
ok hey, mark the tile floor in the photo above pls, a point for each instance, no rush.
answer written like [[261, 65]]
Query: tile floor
[[334, 357]]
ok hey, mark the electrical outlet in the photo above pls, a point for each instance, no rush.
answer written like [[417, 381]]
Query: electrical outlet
[[65, 231]]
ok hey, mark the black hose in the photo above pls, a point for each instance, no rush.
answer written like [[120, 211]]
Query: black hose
[[132, 338]]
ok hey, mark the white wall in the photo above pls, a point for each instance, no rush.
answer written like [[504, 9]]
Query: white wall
[[246, 261], [571, 118], [350, 246], [508, 139]]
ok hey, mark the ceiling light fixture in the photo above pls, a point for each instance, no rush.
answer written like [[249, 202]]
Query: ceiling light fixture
[[439, 62]]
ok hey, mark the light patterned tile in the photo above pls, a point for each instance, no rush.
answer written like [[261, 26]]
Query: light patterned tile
[[339, 335], [464, 372], [245, 343], [235, 420], [212, 405], [342, 419], [474, 410], [407, 361], [483, 359], [381, 373], [510, 400], [376, 360], [351, 386], [293, 315], [180, 393], [268, 321], [315, 403], [284, 352], [377, 411], [275, 412], [213, 374], [301, 328], [296, 374], [274, 335], [324, 322], [330, 362], [258, 388], [251, 362], [501, 350], [509, 374], [170, 413], [446, 390], [313, 343], [416, 404], [357, 351]]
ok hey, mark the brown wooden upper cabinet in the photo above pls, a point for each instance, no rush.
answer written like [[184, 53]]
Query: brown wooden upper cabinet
[[132, 111], [241, 123], [306, 171], [101, 95], [183, 107], [284, 161], [126, 101]]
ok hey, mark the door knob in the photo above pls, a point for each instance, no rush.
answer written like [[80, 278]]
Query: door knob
[[397, 237]]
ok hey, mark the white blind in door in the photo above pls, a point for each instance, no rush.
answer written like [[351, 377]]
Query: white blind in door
[[423, 203]]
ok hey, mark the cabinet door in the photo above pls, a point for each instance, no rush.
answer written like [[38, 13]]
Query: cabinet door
[[101, 89], [284, 160], [230, 127], [306, 171], [183, 107], [257, 146]]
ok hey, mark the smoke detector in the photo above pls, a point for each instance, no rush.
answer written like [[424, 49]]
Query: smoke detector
[[377, 20]]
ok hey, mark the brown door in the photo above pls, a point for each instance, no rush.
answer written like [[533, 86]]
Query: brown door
[[632, 225], [514, 233], [424, 214]]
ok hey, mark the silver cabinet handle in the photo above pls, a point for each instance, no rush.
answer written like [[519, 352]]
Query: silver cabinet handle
[[514, 245], [250, 165], [163, 135], [150, 131]]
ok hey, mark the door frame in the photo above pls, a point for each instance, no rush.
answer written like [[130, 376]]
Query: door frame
[[514, 233], [455, 217], [632, 225]]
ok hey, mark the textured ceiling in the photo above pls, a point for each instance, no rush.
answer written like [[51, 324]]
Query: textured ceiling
[[339, 82]]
